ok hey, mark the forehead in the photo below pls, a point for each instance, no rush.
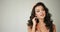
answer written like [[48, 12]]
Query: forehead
[[39, 7]]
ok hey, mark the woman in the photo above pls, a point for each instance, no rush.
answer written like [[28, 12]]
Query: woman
[[40, 19]]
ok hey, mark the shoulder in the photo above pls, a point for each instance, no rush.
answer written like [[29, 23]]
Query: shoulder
[[54, 28], [29, 28]]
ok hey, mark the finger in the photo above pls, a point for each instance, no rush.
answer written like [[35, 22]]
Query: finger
[[35, 17]]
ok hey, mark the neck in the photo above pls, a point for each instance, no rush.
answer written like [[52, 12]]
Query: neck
[[41, 21]]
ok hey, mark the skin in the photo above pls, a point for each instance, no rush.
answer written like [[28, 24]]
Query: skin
[[40, 14]]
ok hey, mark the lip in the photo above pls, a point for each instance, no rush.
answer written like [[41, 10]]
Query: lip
[[42, 15]]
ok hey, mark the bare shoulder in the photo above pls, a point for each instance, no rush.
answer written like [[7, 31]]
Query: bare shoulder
[[29, 28], [54, 28]]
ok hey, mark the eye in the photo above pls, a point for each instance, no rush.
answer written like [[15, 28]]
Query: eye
[[43, 9], [37, 11]]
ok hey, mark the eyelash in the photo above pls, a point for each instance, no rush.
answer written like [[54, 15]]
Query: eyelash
[[37, 11]]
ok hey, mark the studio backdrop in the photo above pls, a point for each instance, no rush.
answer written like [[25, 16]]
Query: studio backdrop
[[14, 14]]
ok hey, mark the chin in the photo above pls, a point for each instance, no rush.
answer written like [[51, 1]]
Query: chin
[[41, 17]]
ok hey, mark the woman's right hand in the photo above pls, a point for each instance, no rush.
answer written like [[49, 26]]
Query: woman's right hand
[[34, 21]]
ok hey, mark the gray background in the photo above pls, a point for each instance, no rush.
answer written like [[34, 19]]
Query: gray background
[[15, 13]]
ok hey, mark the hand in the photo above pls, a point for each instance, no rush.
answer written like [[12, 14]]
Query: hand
[[34, 21]]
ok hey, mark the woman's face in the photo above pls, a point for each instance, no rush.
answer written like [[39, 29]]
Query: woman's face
[[40, 12]]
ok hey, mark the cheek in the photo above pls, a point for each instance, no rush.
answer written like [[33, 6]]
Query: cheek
[[43, 13], [38, 15]]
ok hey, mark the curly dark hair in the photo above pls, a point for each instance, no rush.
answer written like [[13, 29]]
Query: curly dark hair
[[47, 20]]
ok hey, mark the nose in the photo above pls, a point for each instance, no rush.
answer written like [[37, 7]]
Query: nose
[[41, 11]]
